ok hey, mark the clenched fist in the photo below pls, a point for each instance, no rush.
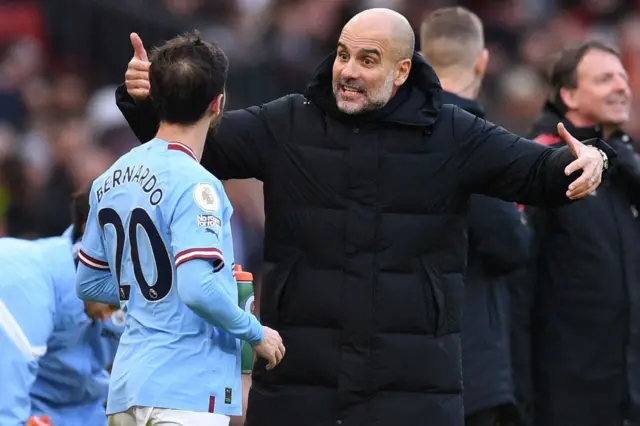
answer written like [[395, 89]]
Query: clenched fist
[[136, 78]]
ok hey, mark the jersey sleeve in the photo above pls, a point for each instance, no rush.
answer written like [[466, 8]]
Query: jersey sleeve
[[26, 322], [92, 252], [197, 224], [197, 232], [94, 281]]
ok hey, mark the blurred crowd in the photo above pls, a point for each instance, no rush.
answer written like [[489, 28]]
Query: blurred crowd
[[60, 128]]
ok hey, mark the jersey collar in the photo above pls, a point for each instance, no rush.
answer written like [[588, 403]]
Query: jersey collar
[[177, 146]]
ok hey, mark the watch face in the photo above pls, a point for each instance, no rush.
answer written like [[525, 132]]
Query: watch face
[[605, 159]]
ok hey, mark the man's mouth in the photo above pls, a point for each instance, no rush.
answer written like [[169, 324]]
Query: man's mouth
[[618, 102], [350, 91]]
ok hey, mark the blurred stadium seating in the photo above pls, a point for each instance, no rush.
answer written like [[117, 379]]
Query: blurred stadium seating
[[61, 59]]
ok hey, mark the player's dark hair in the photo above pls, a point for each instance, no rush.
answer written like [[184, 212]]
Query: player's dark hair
[[563, 73], [186, 74], [79, 212]]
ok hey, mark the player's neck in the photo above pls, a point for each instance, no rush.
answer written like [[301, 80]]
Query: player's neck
[[192, 136], [463, 84]]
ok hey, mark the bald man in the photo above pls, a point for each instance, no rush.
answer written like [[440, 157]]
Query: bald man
[[367, 177]]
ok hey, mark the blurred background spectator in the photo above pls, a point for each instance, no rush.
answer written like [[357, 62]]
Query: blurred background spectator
[[60, 60]]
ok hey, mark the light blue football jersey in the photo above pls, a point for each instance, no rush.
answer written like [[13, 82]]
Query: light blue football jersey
[[27, 319], [153, 211], [52, 356]]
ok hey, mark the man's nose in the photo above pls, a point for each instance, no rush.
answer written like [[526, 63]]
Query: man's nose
[[350, 71], [621, 85]]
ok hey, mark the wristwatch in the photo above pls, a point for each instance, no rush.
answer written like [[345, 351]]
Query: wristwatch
[[605, 159]]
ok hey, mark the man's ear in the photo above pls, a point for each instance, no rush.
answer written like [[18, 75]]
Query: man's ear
[[482, 63], [403, 68], [217, 105], [568, 96]]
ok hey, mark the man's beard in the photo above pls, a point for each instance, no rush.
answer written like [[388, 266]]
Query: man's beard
[[374, 99]]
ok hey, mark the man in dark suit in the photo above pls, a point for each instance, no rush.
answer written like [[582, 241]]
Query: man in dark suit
[[585, 294]]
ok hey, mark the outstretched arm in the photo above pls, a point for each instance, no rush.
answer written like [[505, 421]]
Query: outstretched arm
[[239, 149], [495, 162]]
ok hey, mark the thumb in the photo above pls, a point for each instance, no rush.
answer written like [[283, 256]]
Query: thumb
[[106, 313], [138, 48], [573, 143]]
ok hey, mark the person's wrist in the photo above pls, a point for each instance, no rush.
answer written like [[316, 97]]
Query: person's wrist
[[605, 150], [605, 159], [258, 335]]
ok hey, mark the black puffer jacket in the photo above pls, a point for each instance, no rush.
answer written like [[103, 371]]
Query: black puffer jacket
[[366, 242], [585, 299], [498, 245]]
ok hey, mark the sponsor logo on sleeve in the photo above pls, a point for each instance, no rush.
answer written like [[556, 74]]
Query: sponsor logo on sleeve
[[211, 224]]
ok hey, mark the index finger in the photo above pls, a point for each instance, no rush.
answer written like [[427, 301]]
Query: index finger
[[576, 165]]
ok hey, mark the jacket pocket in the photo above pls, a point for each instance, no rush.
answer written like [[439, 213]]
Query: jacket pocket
[[434, 296], [274, 287]]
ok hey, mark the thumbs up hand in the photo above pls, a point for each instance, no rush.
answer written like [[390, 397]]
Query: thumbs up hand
[[137, 76]]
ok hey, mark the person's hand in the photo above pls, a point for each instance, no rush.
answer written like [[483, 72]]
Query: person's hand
[[99, 311], [39, 421], [271, 348], [136, 78], [588, 159]]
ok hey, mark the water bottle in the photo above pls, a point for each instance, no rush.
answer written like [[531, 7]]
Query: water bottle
[[246, 301]]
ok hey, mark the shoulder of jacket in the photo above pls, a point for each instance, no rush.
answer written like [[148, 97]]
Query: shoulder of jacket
[[285, 102], [453, 118], [455, 112], [445, 116], [449, 109]]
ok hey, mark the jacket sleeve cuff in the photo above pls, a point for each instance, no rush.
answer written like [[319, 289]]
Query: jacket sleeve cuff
[[122, 96], [140, 115], [604, 147]]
